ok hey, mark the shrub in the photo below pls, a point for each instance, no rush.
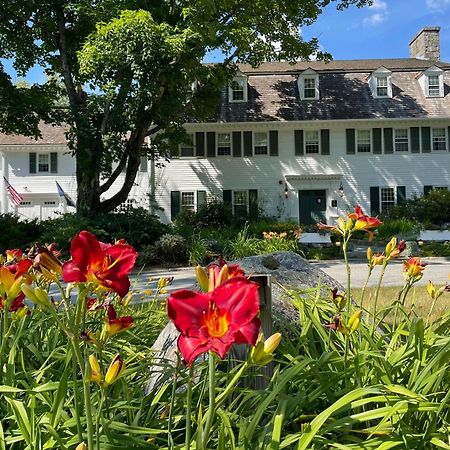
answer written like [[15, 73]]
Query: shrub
[[17, 233], [395, 227], [436, 249], [214, 214], [170, 248], [185, 223]]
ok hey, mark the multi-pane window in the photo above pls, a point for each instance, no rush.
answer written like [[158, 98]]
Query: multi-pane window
[[187, 201], [433, 86], [363, 141], [224, 144], [187, 147], [240, 201], [387, 198], [401, 140], [311, 142], [439, 139], [238, 90], [382, 87], [309, 90], [43, 162], [261, 143]]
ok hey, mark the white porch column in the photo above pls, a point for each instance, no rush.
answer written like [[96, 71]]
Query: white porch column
[[4, 173]]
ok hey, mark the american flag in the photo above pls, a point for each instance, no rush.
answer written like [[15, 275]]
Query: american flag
[[16, 198]]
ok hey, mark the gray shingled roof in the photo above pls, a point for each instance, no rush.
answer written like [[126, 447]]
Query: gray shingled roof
[[344, 92], [51, 135]]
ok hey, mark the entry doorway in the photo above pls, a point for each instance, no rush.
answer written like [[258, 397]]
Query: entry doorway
[[312, 206]]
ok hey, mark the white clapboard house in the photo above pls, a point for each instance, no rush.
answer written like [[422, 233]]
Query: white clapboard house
[[303, 142]]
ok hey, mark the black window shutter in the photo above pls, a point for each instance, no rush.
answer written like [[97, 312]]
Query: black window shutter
[[237, 144], [273, 143], [248, 143], [144, 164], [350, 134], [374, 200], [426, 190], [175, 204], [53, 162], [199, 144], [415, 139], [426, 139], [32, 160], [448, 139], [298, 136], [253, 203], [376, 133], [201, 199], [388, 143], [325, 142], [401, 195], [226, 195], [211, 144]]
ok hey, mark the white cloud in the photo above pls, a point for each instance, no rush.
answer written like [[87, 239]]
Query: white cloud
[[380, 13], [437, 4]]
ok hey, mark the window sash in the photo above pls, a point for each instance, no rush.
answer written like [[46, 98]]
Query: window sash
[[311, 142], [434, 89], [363, 141], [240, 202], [382, 87], [188, 201], [261, 144], [309, 88], [439, 139], [43, 162], [224, 144], [401, 140], [387, 197], [237, 90]]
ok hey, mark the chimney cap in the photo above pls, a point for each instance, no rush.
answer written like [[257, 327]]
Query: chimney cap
[[425, 29]]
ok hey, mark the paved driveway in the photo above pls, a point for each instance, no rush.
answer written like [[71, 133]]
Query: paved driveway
[[437, 270]]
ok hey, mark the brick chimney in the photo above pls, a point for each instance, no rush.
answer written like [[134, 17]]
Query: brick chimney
[[425, 44]]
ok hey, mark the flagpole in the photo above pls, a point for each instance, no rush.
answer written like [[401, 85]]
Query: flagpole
[[4, 197]]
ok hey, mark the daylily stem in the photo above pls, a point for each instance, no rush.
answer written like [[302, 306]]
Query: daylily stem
[[189, 407], [212, 399], [98, 416], [365, 287], [347, 266], [377, 293]]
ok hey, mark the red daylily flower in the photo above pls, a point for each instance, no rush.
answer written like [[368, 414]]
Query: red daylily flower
[[12, 277], [103, 264], [217, 273], [114, 324], [413, 268], [364, 222], [215, 320]]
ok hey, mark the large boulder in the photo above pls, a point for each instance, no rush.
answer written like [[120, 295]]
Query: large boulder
[[287, 271]]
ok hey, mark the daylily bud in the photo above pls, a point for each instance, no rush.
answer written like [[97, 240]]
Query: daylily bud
[[96, 375], [369, 254], [431, 289], [37, 295], [390, 246], [202, 278], [20, 313], [115, 370], [81, 446], [262, 352], [354, 321], [223, 275]]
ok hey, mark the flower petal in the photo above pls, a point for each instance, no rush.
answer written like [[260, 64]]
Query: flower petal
[[249, 333]]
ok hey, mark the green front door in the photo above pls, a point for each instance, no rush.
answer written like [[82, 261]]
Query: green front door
[[312, 206]]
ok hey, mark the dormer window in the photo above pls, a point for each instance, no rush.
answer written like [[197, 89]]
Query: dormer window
[[380, 83], [237, 91], [432, 82], [434, 89], [382, 87], [308, 85]]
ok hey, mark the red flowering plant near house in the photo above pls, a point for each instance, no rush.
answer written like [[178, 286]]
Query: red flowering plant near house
[[217, 319], [102, 264]]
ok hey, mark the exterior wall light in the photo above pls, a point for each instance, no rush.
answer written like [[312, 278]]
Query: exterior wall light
[[341, 190]]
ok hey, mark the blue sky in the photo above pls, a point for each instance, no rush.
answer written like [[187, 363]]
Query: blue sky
[[383, 30]]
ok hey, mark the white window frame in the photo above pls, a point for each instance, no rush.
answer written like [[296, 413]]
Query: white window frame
[[309, 141], [433, 90], [382, 86], [246, 200], [38, 163], [255, 133], [183, 145], [308, 74], [438, 139], [374, 82], [240, 80], [392, 202], [400, 140], [220, 144], [358, 141], [185, 205]]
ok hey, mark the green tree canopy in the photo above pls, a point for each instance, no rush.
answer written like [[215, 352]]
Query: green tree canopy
[[126, 69]]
